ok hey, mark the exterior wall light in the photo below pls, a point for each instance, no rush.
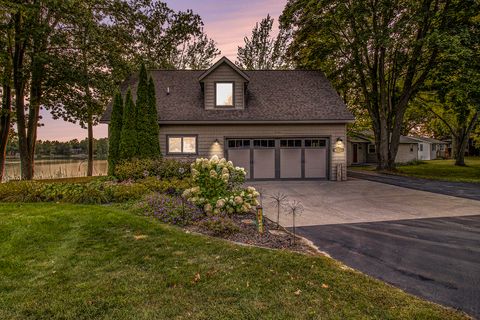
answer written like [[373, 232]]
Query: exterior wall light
[[339, 146]]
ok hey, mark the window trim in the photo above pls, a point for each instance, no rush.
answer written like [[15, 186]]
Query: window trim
[[181, 136], [220, 106]]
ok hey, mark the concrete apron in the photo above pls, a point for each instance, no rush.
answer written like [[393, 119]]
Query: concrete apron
[[328, 202]]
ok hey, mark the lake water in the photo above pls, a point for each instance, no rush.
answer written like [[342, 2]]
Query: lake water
[[58, 168]]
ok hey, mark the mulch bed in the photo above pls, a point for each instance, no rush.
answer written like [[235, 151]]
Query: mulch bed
[[272, 237]]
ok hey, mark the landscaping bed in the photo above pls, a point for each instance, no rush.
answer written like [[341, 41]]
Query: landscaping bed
[[246, 232]]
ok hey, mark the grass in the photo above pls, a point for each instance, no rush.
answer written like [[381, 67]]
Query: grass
[[60, 261], [444, 170]]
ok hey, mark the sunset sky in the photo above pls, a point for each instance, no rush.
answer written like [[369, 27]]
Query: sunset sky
[[227, 22]]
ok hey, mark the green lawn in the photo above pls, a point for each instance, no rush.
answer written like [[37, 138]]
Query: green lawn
[[60, 261], [445, 170]]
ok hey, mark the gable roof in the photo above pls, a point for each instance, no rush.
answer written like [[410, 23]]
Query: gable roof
[[428, 140], [286, 96], [368, 136], [219, 63]]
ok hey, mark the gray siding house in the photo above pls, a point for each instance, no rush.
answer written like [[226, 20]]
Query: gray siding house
[[277, 124]]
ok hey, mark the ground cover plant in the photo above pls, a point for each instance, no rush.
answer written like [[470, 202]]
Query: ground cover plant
[[63, 261]]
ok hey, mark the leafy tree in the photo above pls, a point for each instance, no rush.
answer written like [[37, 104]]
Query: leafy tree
[[384, 50], [114, 133], [262, 50], [128, 137], [452, 93], [163, 38]]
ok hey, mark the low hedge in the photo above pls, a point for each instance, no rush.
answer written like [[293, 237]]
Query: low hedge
[[160, 168], [98, 191]]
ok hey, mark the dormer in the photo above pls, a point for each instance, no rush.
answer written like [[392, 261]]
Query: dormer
[[224, 86]]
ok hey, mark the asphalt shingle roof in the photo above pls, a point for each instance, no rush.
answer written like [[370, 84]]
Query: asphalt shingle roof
[[272, 95]]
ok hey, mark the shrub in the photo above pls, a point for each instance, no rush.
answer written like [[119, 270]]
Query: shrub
[[169, 209], [172, 186], [219, 226], [125, 191], [84, 194], [217, 187], [161, 168], [412, 163]]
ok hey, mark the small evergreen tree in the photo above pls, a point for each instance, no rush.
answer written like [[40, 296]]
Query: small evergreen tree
[[114, 133], [128, 140], [147, 126], [153, 120], [142, 113]]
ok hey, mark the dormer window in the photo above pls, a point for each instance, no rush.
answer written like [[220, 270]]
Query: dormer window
[[224, 94]]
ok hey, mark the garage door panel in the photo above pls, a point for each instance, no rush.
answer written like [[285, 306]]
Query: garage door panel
[[240, 158], [315, 163], [290, 163], [264, 163]]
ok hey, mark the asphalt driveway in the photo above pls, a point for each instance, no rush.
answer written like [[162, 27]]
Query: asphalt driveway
[[425, 243]]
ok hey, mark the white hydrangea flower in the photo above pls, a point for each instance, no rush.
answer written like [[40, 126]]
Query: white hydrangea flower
[[220, 203], [208, 208], [238, 200]]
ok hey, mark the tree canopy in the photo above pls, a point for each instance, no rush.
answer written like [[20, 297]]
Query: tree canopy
[[378, 53], [263, 50]]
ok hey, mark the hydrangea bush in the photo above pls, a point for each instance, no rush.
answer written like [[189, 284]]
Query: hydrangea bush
[[217, 187]]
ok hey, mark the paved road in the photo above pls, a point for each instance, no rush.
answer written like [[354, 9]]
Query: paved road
[[436, 258], [456, 189]]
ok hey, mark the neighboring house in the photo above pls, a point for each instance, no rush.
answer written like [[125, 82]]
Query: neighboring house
[[284, 124], [431, 149], [361, 149]]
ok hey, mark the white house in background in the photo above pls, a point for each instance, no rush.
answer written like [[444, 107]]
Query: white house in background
[[430, 149], [361, 149]]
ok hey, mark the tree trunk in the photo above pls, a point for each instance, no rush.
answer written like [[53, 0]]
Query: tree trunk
[[460, 140], [90, 148], [5, 119], [19, 80]]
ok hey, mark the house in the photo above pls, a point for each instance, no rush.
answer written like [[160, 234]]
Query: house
[[361, 149], [431, 149], [277, 124]]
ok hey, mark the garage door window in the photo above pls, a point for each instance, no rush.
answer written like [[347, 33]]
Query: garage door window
[[315, 143], [290, 143], [264, 143], [239, 143], [182, 145]]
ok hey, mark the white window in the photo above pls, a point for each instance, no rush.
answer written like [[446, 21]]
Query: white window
[[372, 148], [224, 94], [182, 145], [421, 146]]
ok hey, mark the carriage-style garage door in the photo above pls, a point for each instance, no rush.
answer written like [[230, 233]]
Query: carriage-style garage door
[[273, 158]]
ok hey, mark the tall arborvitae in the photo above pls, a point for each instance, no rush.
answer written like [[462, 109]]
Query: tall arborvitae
[[128, 140], [147, 126], [153, 120], [142, 113], [114, 133]]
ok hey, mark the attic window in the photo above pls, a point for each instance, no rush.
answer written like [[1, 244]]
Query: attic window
[[224, 94]]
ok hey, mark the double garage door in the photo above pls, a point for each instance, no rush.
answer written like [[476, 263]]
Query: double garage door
[[288, 158]]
